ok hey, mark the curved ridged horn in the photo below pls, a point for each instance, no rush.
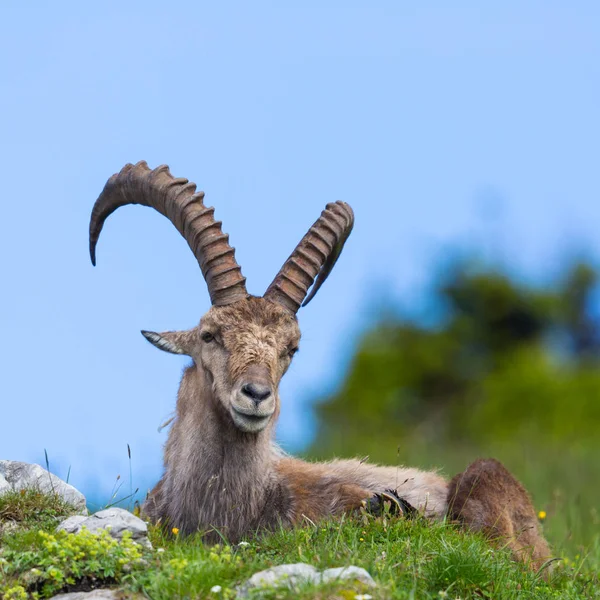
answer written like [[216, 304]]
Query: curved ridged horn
[[175, 199], [314, 255]]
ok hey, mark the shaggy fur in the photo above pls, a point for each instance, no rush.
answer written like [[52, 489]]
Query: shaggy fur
[[487, 498]]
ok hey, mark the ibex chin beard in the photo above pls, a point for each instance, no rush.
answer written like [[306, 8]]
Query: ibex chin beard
[[250, 423]]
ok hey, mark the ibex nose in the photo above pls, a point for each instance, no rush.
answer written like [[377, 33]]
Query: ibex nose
[[256, 391]]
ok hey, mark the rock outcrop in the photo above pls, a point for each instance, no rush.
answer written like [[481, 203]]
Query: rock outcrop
[[116, 520], [17, 476]]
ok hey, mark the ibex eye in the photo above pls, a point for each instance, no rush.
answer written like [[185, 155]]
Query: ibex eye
[[292, 351], [207, 337]]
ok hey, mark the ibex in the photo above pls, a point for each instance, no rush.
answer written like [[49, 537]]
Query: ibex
[[222, 470]]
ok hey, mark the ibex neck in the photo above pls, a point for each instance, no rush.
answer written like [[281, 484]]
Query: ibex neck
[[215, 431], [220, 476]]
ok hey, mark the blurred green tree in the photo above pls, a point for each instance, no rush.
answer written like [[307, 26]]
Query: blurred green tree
[[506, 357]]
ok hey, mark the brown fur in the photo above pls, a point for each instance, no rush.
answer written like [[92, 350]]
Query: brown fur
[[487, 498], [224, 473]]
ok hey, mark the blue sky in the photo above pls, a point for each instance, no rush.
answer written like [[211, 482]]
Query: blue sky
[[417, 114]]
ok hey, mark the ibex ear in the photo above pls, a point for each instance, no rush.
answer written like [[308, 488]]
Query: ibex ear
[[175, 342]]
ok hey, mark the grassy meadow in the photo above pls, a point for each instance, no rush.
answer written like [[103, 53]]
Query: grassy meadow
[[409, 559]]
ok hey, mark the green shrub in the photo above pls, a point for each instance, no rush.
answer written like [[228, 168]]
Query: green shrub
[[61, 561]]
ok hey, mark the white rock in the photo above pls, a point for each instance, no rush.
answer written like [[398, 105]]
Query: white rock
[[116, 520], [281, 576], [71, 524], [291, 576], [350, 573], [95, 595], [8, 527], [17, 476]]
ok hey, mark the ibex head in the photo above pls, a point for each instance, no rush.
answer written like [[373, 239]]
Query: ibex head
[[244, 344]]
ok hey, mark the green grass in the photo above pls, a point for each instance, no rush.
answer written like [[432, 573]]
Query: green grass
[[29, 507], [408, 559]]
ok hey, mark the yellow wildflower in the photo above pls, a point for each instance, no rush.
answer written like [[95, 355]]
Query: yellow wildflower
[[175, 530], [542, 515]]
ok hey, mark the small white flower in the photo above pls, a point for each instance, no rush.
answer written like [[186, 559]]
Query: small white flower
[[363, 597], [216, 589], [160, 549], [243, 544]]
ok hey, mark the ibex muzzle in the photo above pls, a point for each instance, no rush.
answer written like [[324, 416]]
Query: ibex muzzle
[[253, 401]]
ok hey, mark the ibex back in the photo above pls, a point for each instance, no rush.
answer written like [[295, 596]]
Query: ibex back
[[222, 470]]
